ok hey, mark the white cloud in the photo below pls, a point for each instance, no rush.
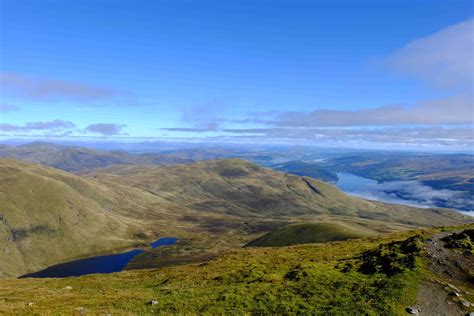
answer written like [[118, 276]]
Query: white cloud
[[35, 88], [452, 110], [37, 126], [105, 129], [444, 59]]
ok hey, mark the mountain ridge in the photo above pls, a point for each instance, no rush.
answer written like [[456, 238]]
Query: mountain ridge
[[75, 159], [50, 216]]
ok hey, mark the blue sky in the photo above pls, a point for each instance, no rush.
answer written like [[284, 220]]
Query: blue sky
[[385, 72]]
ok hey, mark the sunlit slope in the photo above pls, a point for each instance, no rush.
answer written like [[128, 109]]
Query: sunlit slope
[[304, 234], [48, 216], [310, 279], [240, 188]]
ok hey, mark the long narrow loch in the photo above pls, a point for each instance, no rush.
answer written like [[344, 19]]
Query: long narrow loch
[[98, 264]]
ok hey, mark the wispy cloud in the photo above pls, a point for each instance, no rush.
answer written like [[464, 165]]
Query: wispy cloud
[[105, 129], [426, 135], [203, 117], [44, 89], [452, 110], [199, 128], [37, 126], [444, 59], [5, 107]]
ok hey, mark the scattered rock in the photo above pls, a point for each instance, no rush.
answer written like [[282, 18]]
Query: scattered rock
[[454, 288], [30, 304], [465, 303], [412, 310], [68, 287], [153, 303]]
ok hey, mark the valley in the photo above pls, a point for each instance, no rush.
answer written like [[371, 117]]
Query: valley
[[213, 206]]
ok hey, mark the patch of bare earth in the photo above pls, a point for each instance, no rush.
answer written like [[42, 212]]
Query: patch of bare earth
[[448, 291]]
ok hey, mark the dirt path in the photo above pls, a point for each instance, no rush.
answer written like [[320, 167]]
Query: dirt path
[[445, 293]]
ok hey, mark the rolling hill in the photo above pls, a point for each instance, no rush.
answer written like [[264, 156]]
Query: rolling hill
[[239, 188], [305, 234], [49, 216]]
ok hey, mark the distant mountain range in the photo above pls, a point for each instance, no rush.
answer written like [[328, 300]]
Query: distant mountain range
[[75, 159]]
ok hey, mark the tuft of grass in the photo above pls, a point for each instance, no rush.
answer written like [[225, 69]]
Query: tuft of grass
[[390, 259], [463, 241]]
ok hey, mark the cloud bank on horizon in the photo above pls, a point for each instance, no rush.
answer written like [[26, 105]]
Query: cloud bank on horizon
[[441, 62], [444, 59]]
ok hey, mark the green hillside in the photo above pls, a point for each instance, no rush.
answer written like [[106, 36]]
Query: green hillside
[[48, 216], [239, 188], [304, 279], [305, 234]]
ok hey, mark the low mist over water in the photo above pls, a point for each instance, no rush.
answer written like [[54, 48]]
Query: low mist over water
[[411, 193]]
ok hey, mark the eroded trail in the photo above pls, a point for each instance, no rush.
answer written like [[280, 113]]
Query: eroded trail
[[448, 291]]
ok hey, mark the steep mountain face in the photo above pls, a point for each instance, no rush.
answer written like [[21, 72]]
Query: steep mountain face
[[49, 216], [240, 188], [75, 159]]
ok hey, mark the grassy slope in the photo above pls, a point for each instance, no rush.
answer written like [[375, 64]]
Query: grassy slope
[[313, 170], [304, 234], [309, 278], [239, 188], [47, 216], [50, 216], [255, 200]]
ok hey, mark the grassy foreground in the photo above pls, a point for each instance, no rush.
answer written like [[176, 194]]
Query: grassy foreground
[[350, 277]]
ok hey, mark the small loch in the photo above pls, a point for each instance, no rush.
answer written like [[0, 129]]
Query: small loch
[[98, 264]]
